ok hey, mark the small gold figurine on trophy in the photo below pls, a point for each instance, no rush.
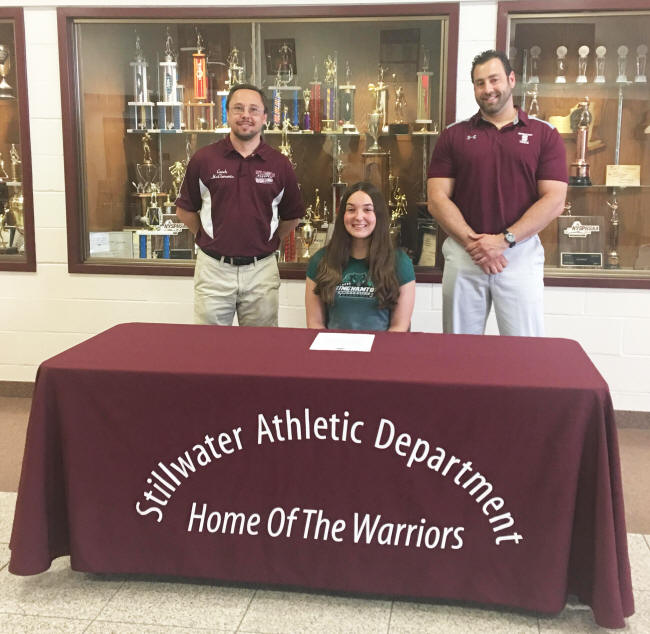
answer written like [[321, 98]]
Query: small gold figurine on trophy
[[380, 91], [235, 69], [177, 170], [3, 173], [316, 207], [147, 170], [400, 104], [329, 119], [15, 162], [614, 223], [285, 148]]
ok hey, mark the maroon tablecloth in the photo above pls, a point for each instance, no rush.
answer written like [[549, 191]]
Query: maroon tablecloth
[[453, 467]]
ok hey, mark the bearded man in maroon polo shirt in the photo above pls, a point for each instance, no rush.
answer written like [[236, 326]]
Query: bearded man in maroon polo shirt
[[495, 181], [239, 198]]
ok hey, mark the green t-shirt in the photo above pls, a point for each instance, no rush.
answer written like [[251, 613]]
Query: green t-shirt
[[355, 306]]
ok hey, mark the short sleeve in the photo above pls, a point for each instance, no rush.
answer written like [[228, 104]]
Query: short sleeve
[[314, 261], [442, 159], [552, 159], [189, 197], [403, 268], [291, 205]]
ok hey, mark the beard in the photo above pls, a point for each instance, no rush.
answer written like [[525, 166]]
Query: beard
[[495, 107], [245, 136]]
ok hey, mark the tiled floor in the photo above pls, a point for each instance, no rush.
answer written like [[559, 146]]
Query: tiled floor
[[61, 600]]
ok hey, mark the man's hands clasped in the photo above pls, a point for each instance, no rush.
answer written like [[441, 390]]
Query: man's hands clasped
[[486, 250]]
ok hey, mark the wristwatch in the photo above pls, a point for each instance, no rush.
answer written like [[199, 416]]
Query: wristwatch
[[510, 238]]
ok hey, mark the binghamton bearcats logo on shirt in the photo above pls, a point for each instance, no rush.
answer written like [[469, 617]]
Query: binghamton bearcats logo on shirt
[[355, 285], [263, 176]]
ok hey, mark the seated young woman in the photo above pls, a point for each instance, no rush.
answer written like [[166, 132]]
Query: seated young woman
[[358, 281]]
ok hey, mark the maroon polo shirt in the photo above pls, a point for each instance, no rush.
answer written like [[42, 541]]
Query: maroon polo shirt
[[496, 171], [240, 199]]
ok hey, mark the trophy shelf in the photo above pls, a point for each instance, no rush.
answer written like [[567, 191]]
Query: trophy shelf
[[631, 89]]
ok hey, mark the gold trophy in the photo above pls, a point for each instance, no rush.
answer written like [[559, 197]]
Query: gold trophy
[[398, 209], [376, 162], [154, 212], [236, 70], [285, 148], [316, 207], [380, 90], [614, 223], [14, 221], [177, 170], [339, 186], [3, 172], [374, 125], [5, 67], [580, 125], [399, 126], [14, 218], [15, 162], [307, 234], [147, 170], [329, 105]]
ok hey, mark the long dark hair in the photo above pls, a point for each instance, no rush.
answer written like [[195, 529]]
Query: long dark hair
[[381, 258]]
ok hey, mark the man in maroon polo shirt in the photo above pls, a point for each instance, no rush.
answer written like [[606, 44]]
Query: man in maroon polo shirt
[[495, 181], [239, 198]]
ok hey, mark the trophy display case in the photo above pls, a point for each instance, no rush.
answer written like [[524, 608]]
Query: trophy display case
[[16, 209], [582, 67], [353, 93]]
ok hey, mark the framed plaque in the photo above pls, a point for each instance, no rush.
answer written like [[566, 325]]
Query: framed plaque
[[581, 241]]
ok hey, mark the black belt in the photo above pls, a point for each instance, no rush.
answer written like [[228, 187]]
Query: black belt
[[237, 260]]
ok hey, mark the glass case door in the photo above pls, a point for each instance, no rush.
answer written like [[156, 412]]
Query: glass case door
[[16, 207]]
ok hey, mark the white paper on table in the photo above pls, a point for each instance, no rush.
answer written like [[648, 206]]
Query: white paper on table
[[350, 342]]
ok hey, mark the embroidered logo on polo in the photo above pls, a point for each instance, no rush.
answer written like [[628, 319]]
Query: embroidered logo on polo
[[221, 174], [355, 285], [523, 137], [471, 137], [262, 176]]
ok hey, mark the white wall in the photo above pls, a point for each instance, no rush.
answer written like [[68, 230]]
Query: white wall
[[46, 312]]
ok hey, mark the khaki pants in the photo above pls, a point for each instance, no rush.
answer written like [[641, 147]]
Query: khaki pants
[[220, 290]]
